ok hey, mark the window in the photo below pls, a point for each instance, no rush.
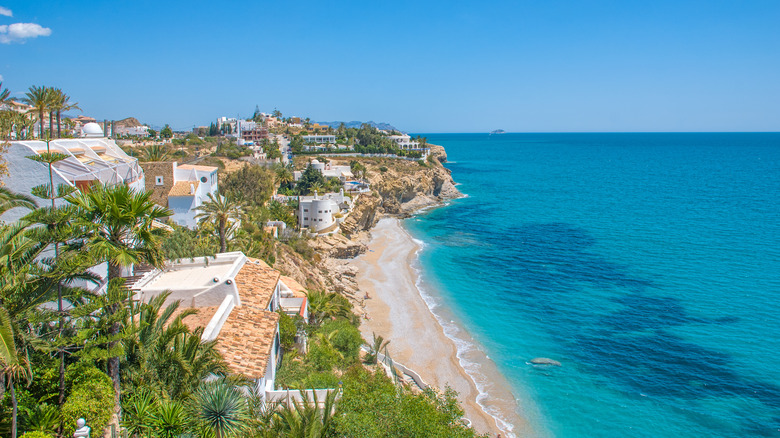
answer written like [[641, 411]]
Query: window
[[158, 180], [203, 179], [305, 210]]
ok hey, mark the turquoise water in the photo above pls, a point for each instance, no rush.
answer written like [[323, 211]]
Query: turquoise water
[[647, 264]]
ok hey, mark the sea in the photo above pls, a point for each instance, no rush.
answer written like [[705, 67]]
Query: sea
[[647, 264]]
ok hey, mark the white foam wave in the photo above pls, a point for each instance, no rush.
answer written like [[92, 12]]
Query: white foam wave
[[462, 346]]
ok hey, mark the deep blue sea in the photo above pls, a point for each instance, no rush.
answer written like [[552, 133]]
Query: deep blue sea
[[647, 264]]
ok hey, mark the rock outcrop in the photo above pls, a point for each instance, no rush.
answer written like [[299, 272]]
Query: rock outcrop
[[364, 215], [438, 153], [406, 186], [338, 246], [545, 361]]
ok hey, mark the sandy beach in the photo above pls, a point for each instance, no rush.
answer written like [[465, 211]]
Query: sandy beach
[[398, 312]]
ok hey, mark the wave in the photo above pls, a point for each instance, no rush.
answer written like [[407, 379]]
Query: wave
[[463, 346]]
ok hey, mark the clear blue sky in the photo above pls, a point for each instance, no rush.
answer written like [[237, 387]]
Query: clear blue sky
[[423, 66]]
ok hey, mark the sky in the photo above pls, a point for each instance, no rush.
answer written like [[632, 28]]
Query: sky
[[422, 66]]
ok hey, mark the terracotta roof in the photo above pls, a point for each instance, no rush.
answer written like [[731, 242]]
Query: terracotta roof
[[246, 340], [256, 282], [295, 287], [247, 337], [200, 319], [198, 167], [182, 188]]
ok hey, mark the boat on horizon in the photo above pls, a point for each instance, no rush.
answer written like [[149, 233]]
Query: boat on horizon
[[498, 131]]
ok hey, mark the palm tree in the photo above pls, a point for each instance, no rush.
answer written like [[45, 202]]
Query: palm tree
[[156, 152], [20, 294], [323, 305], [221, 408], [283, 176], [20, 122], [119, 224], [4, 94], [60, 102], [377, 347], [9, 200], [40, 99], [164, 354], [306, 419], [224, 212]]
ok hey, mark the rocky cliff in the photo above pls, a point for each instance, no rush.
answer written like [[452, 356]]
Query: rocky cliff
[[404, 186]]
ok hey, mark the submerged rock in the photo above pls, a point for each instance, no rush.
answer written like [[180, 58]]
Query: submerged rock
[[545, 361]]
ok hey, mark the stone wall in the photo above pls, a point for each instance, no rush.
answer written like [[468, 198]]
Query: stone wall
[[154, 169]]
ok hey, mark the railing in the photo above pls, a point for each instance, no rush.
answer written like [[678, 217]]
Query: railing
[[387, 361]]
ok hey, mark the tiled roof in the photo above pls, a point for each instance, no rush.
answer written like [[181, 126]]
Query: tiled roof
[[198, 167], [246, 340], [295, 287], [182, 188], [256, 282], [200, 319]]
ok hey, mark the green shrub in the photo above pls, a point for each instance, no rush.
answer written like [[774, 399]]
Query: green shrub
[[346, 339], [91, 398], [292, 372], [322, 357], [37, 434], [383, 169], [371, 405], [321, 380], [287, 331]]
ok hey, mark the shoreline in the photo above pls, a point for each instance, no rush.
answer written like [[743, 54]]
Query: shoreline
[[442, 353]]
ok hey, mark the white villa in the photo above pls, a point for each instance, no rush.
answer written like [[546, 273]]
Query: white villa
[[237, 299], [319, 139], [328, 170], [182, 188], [318, 212], [92, 159], [405, 142]]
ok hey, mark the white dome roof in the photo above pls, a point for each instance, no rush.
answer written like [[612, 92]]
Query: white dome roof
[[92, 129]]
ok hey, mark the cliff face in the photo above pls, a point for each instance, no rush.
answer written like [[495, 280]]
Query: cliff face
[[364, 216], [406, 186]]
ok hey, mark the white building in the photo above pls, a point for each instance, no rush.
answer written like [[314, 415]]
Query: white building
[[237, 299], [319, 139], [319, 212], [92, 159], [405, 142], [182, 188], [328, 170], [136, 131]]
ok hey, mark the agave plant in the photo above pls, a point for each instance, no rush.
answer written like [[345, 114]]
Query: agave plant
[[221, 408], [140, 413], [171, 420], [42, 418]]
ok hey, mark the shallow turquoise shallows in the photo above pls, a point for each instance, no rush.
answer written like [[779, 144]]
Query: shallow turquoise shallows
[[647, 264]]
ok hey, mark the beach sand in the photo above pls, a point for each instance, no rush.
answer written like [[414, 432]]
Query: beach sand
[[399, 313]]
